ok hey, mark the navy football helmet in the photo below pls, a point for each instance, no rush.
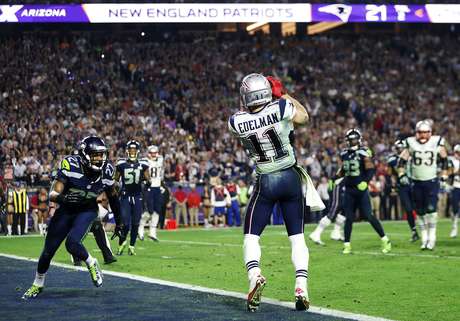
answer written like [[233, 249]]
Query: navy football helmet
[[133, 148], [93, 153], [353, 138]]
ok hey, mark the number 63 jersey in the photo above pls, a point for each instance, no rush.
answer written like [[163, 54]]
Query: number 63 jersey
[[423, 157], [266, 135]]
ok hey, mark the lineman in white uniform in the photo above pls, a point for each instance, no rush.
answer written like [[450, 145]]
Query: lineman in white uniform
[[455, 194], [264, 129], [424, 151], [153, 195]]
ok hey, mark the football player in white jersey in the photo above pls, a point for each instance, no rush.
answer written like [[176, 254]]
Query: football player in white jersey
[[153, 193], [455, 193], [425, 151], [264, 127]]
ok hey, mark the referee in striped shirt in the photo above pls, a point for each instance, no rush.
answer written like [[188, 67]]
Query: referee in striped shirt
[[21, 206]]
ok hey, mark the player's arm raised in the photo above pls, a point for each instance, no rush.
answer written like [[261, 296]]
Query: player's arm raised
[[402, 161], [114, 201], [301, 116], [444, 163], [278, 91]]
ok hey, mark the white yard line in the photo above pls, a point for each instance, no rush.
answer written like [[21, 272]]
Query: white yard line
[[430, 256], [318, 310], [287, 247]]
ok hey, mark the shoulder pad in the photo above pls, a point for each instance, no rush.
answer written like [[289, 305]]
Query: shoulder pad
[[343, 152], [70, 163], [144, 162], [392, 158], [364, 151], [70, 166], [109, 170], [121, 161], [440, 141]]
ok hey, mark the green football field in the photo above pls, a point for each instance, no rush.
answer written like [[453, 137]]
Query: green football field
[[406, 284]]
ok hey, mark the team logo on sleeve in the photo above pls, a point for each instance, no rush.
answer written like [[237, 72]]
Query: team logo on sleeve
[[65, 165]]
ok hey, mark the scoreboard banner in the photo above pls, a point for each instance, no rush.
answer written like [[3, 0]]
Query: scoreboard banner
[[430, 13], [222, 13]]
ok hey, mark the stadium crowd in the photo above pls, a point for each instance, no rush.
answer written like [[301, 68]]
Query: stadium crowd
[[179, 94]]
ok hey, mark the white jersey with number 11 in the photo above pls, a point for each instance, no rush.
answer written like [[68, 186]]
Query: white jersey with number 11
[[266, 135]]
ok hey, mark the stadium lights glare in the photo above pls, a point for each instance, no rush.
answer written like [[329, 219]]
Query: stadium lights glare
[[255, 26], [322, 26]]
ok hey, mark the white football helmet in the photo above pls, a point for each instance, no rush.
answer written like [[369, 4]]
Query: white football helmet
[[457, 149], [153, 151], [255, 91], [423, 131]]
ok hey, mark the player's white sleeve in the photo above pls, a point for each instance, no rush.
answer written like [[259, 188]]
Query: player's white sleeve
[[231, 125], [287, 109]]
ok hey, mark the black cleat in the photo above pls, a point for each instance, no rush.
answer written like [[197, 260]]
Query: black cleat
[[414, 237], [153, 238], [110, 260]]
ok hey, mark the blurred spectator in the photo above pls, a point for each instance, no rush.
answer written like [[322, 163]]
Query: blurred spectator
[[180, 198], [220, 201], [375, 191], [233, 211], [243, 197], [194, 203]]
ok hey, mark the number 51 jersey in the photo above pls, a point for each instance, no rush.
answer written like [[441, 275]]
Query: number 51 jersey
[[131, 176], [266, 135]]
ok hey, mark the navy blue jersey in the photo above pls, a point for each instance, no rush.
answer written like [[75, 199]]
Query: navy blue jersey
[[131, 176], [71, 173], [353, 165]]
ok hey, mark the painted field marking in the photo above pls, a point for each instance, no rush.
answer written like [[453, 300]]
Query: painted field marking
[[318, 310]]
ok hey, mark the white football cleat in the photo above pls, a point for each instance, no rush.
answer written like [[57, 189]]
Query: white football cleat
[[454, 232], [256, 286], [336, 235], [424, 246], [316, 238], [430, 245]]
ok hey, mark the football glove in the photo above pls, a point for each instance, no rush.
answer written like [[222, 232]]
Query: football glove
[[404, 180], [362, 186], [118, 232], [278, 89]]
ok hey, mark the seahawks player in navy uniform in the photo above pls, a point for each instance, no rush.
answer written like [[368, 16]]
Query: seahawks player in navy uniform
[[357, 170], [79, 181], [264, 129], [404, 188], [131, 172]]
